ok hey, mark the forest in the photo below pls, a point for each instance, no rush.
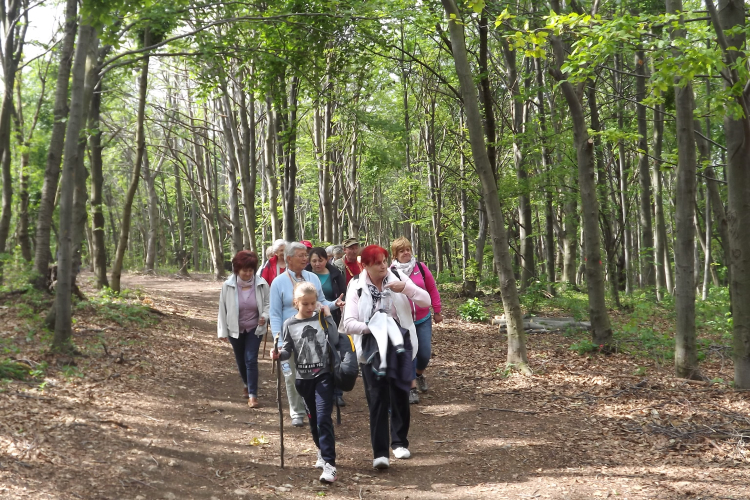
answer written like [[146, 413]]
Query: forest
[[587, 145]]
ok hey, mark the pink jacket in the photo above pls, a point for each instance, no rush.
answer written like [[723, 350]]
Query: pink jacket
[[431, 287]]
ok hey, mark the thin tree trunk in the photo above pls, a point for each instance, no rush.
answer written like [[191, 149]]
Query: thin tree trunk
[[273, 194], [686, 362], [600, 325], [63, 309], [140, 151], [248, 165], [661, 231], [647, 231], [516, 337], [42, 254]]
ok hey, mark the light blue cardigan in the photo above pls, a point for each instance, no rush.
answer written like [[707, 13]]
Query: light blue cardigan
[[282, 289]]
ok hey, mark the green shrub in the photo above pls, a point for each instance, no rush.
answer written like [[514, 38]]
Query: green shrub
[[584, 346], [473, 310], [10, 369]]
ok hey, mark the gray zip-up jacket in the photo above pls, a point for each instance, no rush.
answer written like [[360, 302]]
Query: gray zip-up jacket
[[228, 324]]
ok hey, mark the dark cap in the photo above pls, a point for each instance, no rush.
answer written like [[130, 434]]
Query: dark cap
[[349, 242]]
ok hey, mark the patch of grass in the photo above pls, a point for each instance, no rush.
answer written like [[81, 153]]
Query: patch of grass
[[10, 369], [583, 346], [123, 309]]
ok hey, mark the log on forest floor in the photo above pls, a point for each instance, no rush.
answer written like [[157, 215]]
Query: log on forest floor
[[545, 325]]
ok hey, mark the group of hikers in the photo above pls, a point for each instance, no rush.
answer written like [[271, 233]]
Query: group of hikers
[[314, 297]]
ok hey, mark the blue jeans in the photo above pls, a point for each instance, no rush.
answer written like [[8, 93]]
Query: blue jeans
[[424, 336], [317, 394], [246, 353]]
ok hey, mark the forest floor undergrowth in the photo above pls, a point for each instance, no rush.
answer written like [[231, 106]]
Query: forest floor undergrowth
[[152, 409]]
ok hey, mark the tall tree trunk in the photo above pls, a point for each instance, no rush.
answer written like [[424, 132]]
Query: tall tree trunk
[[248, 165], [152, 204], [600, 326], [731, 14], [63, 310], [97, 182], [42, 254], [231, 164], [140, 151], [686, 361], [549, 236], [290, 157], [514, 317], [661, 231], [273, 194], [647, 231]]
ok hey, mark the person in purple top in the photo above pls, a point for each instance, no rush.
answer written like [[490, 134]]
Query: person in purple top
[[243, 318], [405, 263]]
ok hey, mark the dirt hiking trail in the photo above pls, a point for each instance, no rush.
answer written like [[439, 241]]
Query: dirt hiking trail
[[157, 413]]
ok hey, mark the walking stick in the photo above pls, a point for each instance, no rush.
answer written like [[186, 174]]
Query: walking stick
[[278, 401], [265, 339]]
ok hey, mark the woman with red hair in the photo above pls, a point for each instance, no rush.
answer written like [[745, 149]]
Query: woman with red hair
[[379, 316], [243, 318]]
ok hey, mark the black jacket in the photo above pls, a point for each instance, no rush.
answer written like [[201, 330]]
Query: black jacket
[[338, 283]]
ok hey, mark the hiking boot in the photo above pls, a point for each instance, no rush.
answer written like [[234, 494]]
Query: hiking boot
[[413, 396], [422, 383], [320, 463], [340, 401], [252, 402], [329, 473], [402, 453], [381, 463], [298, 422], [245, 394]]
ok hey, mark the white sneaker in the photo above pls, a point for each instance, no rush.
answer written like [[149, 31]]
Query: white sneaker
[[402, 453], [329, 473], [320, 463], [381, 463]]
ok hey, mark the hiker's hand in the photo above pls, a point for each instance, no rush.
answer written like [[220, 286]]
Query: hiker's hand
[[261, 321], [326, 312], [438, 318], [396, 286], [274, 354], [225, 339], [340, 301]]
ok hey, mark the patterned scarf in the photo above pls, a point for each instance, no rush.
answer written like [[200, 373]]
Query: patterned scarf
[[245, 284], [405, 267]]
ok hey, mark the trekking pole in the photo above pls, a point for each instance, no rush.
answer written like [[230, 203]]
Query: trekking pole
[[278, 402]]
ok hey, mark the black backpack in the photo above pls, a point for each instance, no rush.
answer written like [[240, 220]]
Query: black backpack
[[344, 366]]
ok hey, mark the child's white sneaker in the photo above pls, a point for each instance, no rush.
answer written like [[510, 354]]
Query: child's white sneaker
[[320, 463], [402, 453], [329, 473], [381, 463]]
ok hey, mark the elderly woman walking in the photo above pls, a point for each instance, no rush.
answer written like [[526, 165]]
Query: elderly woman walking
[[243, 318], [282, 308], [276, 265], [381, 295], [405, 262]]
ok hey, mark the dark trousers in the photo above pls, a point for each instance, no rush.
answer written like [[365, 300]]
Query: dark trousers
[[246, 353], [383, 394], [317, 394]]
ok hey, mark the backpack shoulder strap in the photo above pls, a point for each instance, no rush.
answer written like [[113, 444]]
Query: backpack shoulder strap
[[393, 270], [421, 271]]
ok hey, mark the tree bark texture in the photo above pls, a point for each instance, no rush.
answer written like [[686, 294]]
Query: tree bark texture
[[516, 336], [600, 326]]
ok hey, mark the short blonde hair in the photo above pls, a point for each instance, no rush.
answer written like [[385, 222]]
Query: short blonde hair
[[301, 289], [398, 245]]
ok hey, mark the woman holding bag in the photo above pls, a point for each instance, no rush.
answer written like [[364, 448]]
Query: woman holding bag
[[243, 318], [379, 294]]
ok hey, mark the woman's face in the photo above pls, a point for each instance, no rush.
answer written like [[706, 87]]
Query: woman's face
[[378, 271], [318, 264], [246, 274], [404, 255], [280, 253]]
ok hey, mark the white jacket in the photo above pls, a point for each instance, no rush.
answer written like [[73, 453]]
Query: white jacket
[[228, 323]]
